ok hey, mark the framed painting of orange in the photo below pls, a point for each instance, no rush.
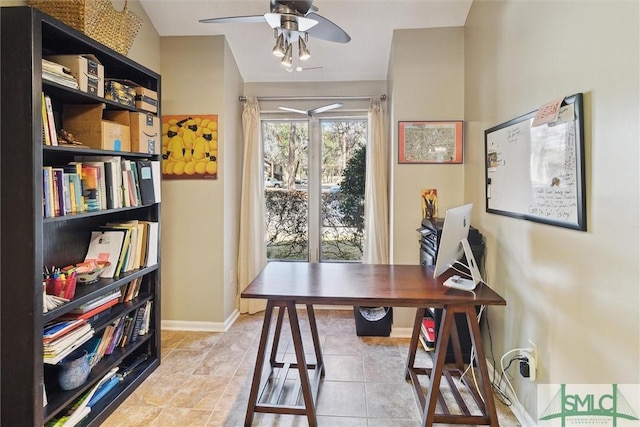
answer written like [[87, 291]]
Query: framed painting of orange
[[190, 147]]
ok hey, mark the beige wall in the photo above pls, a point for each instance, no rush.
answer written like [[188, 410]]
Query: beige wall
[[146, 46], [426, 73], [200, 228], [575, 294]]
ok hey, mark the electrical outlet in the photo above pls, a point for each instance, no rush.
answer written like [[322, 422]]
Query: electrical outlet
[[531, 353]]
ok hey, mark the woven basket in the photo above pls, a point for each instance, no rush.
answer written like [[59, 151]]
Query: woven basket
[[97, 19]]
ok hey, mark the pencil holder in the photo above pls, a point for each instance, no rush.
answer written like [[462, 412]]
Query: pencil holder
[[64, 287]]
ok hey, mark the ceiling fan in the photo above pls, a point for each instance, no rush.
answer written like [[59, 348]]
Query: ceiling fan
[[313, 111], [292, 21]]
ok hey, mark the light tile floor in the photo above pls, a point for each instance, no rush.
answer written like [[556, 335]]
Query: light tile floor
[[204, 379]]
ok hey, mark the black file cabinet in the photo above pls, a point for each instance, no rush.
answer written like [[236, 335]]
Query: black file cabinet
[[430, 234]]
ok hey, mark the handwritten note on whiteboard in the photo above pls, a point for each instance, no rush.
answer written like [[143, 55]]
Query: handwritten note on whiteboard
[[537, 173]]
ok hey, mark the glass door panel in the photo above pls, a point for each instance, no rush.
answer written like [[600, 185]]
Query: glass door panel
[[342, 196]]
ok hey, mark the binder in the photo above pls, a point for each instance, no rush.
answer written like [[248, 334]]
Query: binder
[[156, 167], [152, 244], [145, 174]]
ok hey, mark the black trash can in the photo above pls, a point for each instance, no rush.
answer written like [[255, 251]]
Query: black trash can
[[373, 321]]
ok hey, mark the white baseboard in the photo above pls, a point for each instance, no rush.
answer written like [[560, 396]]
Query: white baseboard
[[516, 408], [197, 326]]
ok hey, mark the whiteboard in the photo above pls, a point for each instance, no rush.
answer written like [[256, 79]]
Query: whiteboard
[[537, 173]]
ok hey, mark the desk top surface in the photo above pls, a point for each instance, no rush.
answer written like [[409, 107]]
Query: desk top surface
[[361, 284]]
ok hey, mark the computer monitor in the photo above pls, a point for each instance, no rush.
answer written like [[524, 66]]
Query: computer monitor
[[453, 245]]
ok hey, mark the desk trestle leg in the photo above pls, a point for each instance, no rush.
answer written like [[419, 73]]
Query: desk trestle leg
[[265, 378], [447, 332]]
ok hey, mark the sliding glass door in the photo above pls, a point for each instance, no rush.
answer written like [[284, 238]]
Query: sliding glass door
[[314, 188]]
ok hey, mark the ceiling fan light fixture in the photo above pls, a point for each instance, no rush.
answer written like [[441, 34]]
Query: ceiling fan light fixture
[[303, 50], [279, 48], [287, 60]]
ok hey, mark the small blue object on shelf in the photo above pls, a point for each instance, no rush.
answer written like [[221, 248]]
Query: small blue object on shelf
[[104, 389]]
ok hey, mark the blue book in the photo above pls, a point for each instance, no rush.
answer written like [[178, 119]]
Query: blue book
[[104, 389]]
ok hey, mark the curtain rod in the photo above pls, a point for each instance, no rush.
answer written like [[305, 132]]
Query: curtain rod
[[311, 98]]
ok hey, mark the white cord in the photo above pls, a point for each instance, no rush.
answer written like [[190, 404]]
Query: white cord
[[504, 374], [473, 356]]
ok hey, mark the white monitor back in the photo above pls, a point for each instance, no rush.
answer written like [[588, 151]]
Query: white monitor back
[[455, 228], [453, 245]]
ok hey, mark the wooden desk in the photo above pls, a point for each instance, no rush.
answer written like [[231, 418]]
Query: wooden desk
[[285, 284]]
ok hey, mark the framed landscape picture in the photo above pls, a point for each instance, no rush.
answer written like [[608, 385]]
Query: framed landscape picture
[[430, 142]]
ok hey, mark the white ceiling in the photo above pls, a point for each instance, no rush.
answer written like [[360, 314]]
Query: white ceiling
[[370, 23]]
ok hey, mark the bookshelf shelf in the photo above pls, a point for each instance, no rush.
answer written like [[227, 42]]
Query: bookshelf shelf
[[61, 398], [81, 215], [75, 96], [30, 241]]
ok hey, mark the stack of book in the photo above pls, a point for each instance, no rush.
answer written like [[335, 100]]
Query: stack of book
[[57, 73], [59, 339], [91, 310], [428, 334]]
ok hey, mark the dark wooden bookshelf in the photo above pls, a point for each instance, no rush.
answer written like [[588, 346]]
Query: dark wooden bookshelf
[[30, 242]]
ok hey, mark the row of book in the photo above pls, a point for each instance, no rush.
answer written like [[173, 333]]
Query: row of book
[[131, 290], [127, 245], [49, 133], [120, 333], [96, 183], [428, 334]]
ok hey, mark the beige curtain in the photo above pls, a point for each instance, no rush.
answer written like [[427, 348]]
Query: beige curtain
[[376, 213], [252, 252]]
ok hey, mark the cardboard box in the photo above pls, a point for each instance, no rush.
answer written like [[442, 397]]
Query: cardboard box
[[96, 127], [145, 133], [146, 99], [122, 92], [87, 70]]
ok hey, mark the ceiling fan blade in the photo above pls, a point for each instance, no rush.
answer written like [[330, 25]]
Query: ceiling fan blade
[[325, 108], [300, 6], [327, 30], [275, 20], [253, 19], [295, 110]]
